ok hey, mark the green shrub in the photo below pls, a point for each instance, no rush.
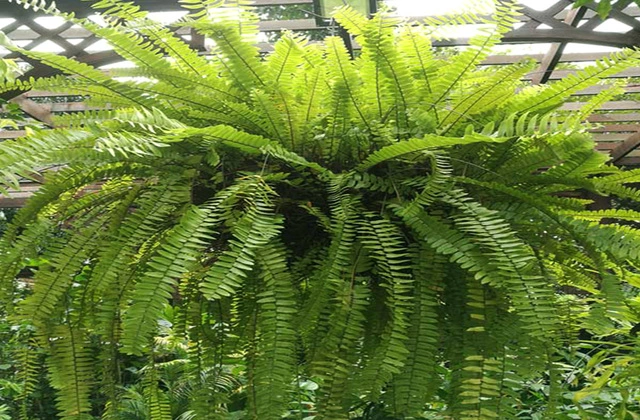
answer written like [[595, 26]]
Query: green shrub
[[400, 229]]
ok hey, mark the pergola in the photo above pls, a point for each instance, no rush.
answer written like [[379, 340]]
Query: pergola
[[557, 25]]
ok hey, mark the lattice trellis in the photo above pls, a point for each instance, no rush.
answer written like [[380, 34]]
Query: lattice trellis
[[559, 24]]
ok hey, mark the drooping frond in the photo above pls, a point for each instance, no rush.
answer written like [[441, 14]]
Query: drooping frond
[[253, 230], [172, 259], [276, 365], [418, 379], [384, 243], [67, 257], [71, 371]]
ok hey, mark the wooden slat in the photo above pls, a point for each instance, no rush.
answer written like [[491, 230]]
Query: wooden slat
[[282, 2], [291, 25], [11, 134], [28, 34], [560, 74], [608, 106], [603, 147], [46, 94], [621, 117], [629, 161], [617, 128], [594, 90], [84, 8], [607, 138], [633, 11], [565, 58], [18, 198], [71, 107]]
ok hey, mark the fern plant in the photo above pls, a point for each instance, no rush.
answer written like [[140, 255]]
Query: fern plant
[[375, 223]]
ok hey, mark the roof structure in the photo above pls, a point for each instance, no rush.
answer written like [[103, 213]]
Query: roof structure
[[555, 27]]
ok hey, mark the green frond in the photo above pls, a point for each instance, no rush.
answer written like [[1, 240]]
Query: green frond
[[350, 19], [330, 271], [344, 79], [470, 15], [598, 215], [119, 9], [513, 258], [403, 227], [593, 104], [108, 281], [390, 71], [159, 407], [385, 246], [485, 94], [12, 259], [283, 63], [226, 135], [430, 141], [277, 346], [480, 47], [22, 157], [257, 226], [510, 268], [336, 358], [84, 71], [418, 379], [38, 5], [540, 100], [241, 57], [27, 375], [437, 184], [66, 257], [614, 239], [173, 257], [71, 372]]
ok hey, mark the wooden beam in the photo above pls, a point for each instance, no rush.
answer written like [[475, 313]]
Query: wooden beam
[[629, 161], [38, 111], [633, 11], [626, 147], [562, 32], [617, 13], [552, 57], [197, 41]]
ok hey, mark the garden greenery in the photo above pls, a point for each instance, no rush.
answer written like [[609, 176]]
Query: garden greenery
[[404, 229]]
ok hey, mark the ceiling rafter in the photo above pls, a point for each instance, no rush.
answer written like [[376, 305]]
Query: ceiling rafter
[[552, 57]]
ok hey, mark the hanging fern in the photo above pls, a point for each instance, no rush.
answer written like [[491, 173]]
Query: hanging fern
[[401, 228]]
